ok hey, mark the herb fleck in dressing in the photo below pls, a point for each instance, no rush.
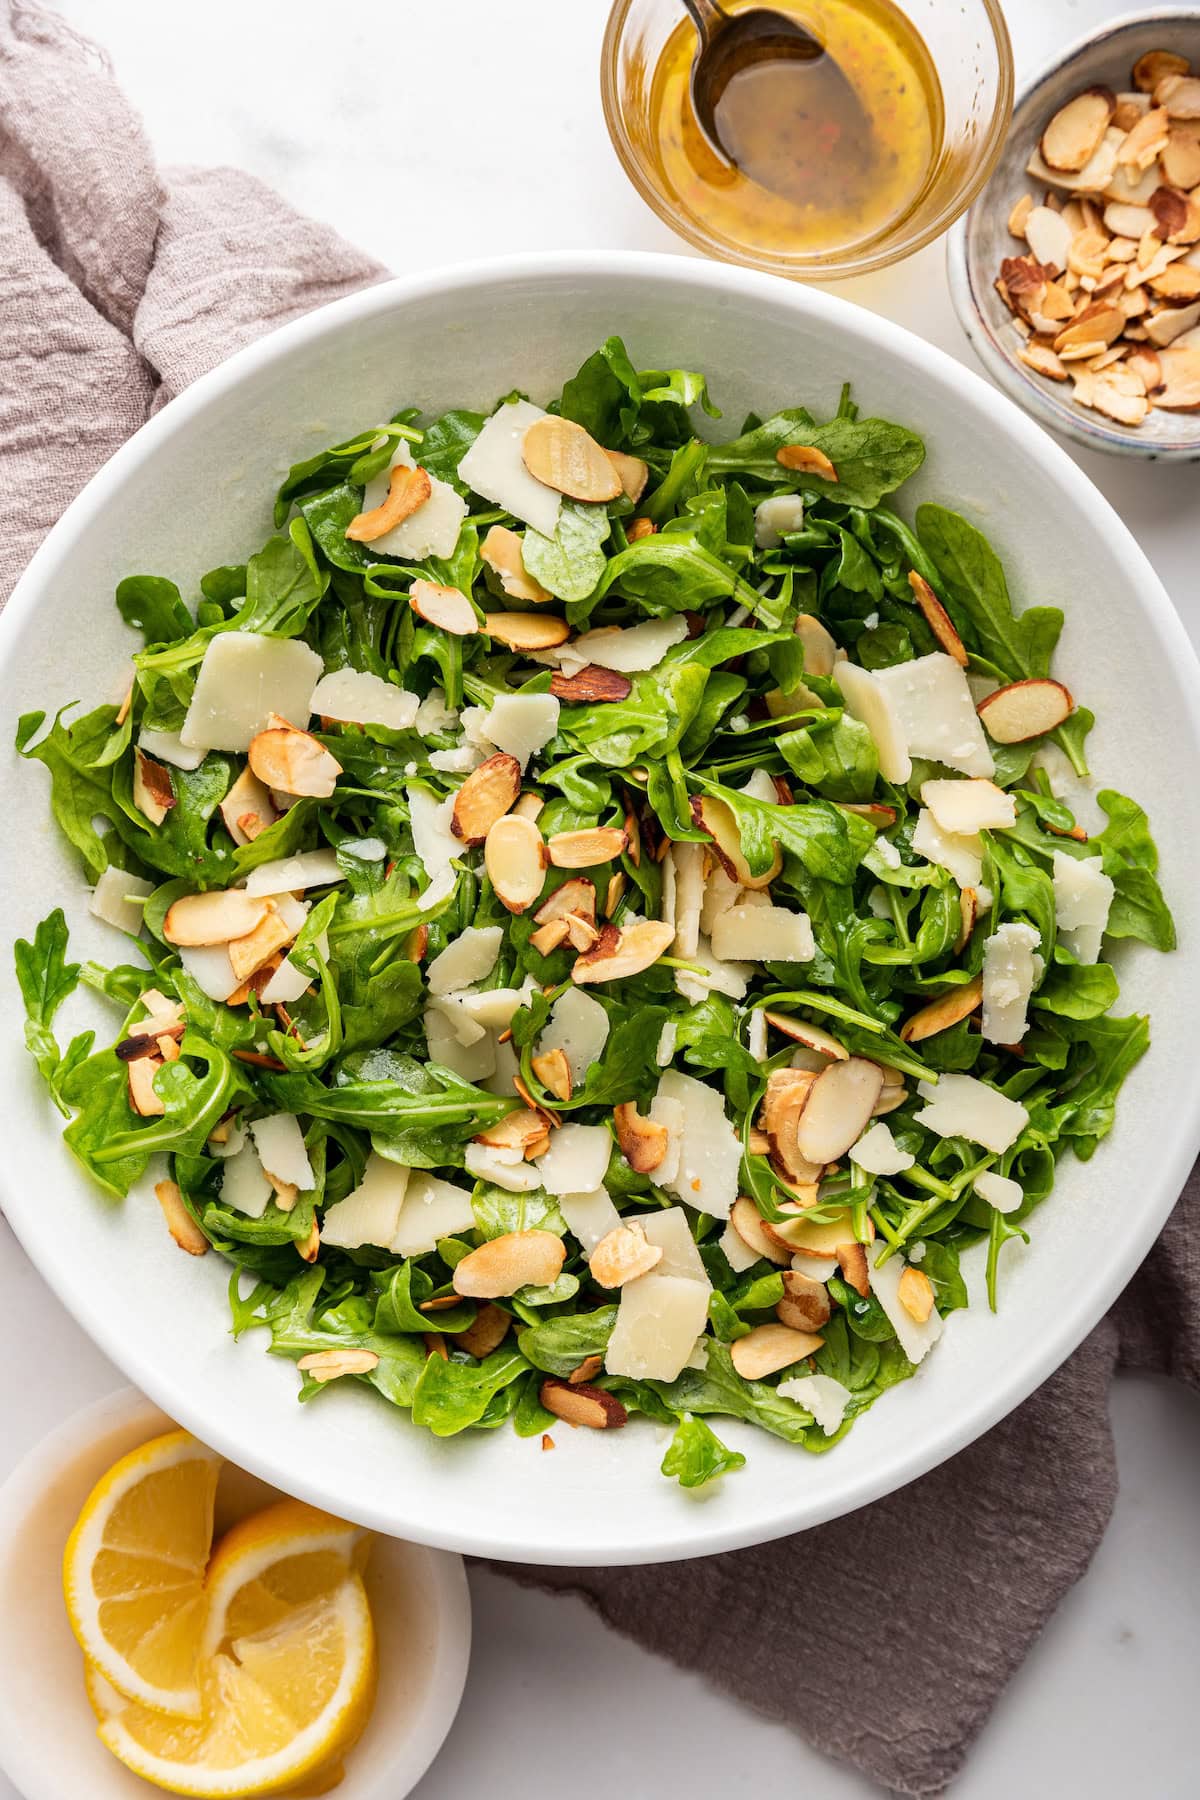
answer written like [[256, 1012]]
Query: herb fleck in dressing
[[805, 177]]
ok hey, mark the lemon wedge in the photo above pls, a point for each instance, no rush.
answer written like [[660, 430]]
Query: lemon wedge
[[133, 1571], [286, 1665]]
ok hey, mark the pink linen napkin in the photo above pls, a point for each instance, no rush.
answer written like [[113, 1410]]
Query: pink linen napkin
[[120, 285]]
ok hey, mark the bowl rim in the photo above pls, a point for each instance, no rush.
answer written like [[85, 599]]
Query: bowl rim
[[417, 1734], [1101, 1278], [817, 265], [1056, 413]]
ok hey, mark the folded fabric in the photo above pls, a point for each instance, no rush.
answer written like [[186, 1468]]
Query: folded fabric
[[118, 287]]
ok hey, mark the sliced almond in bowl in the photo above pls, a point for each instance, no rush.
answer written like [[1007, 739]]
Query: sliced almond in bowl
[[554, 1072], [216, 918], [1025, 709], [1181, 157], [840, 1104], [514, 855], [768, 1348], [820, 648], [619, 954], [484, 797], [153, 792], [591, 686], [446, 607], [576, 896], [937, 618], [642, 1142], [1181, 379], [622, 1255], [584, 849], [1077, 129], [581, 1404], [713, 816], [293, 761], [1156, 66], [515, 1260], [503, 553], [408, 489], [947, 1009], [526, 631], [806, 459], [1049, 236], [633, 474], [568, 459]]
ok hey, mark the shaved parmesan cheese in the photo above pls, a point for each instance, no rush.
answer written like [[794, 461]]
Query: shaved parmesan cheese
[[115, 899], [467, 1030], [508, 1066], [961, 855], [670, 1231], [470, 957], [761, 787], [717, 977], [289, 981], [369, 1214], [756, 1035], [633, 649], [244, 1184], [577, 1160], [211, 970], [578, 1026], [1010, 969], [658, 1321], [243, 679], [521, 724], [963, 807], [961, 1106], [1082, 896], [291, 874], [1075, 791], [589, 1216], [688, 861], [817, 1268], [664, 1050], [999, 1191], [494, 1008], [763, 934], [360, 698], [878, 1152], [462, 761], [169, 747], [932, 701], [235, 1138], [432, 530], [488, 1165], [720, 891], [871, 704], [821, 1395], [710, 1153], [668, 1113], [915, 1339], [470, 1062], [775, 517], [432, 1209], [433, 715], [280, 1145], [494, 468], [670, 885], [738, 1253], [433, 840]]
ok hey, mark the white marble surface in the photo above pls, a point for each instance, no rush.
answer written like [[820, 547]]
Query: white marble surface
[[463, 127]]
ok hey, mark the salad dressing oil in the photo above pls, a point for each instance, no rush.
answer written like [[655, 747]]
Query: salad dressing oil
[[807, 176]]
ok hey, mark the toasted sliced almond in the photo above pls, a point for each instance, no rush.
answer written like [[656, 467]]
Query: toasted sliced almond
[[143, 1098], [584, 849], [1156, 66], [1117, 402], [770, 1347], [502, 551], [1179, 282], [408, 488], [484, 797], [1176, 216], [529, 806], [1041, 358], [1099, 325], [883, 817], [1077, 129], [293, 761], [576, 895], [943, 1012], [526, 631], [247, 808], [1025, 709], [639, 529], [968, 906], [890, 1097], [784, 1101], [633, 474], [517, 1259], [153, 793], [840, 1104], [805, 1305], [750, 1226], [418, 944], [1181, 158], [619, 954], [1095, 175], [622, 1255], [582, 1404], [516, 1131], [1049, 236], [554, 1072], [820, 649], [215, 918], [807, 459], [486, 1332], [1146, 142], [1181, 379], [591, 1365], [1180, 95], [801, 1032], [852, 1260], [1089, 249], [248, 954], [514, 855], [1129, 109], [915, 1294], [713, 816], [548, 937], [642, 1142], [331, 1365], [568, 459], [180, 1223], [1127, 221], [614, 891], [446, 607], [1169, 325], [1019, 215], [937, 618], [591, 686]]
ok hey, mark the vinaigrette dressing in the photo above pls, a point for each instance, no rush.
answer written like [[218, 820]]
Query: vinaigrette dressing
[[805, 178]]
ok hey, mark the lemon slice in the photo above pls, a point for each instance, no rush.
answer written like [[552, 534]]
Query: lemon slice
[[286, 1668], [133, 1571]]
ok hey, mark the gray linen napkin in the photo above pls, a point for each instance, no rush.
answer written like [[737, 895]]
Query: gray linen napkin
[[119, 286]]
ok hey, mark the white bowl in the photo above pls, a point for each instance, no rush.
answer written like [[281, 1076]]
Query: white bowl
[[191, 490], [48, 1742]]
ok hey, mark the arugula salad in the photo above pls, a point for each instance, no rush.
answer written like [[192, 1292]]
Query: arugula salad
[[608, 922]]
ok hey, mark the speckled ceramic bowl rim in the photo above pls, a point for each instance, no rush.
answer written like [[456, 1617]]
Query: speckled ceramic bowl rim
[[1061, 416]]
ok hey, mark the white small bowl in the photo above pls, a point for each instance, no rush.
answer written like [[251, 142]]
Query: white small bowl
[[48, 1742], [976, 245]]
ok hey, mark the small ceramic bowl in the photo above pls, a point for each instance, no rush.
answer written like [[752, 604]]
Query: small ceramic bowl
[[980, 241], [48, 1743]]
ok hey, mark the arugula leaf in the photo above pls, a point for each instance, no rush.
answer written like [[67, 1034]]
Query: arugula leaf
[[872, 456], [571, 563], [696, 1454], [46, 979]]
